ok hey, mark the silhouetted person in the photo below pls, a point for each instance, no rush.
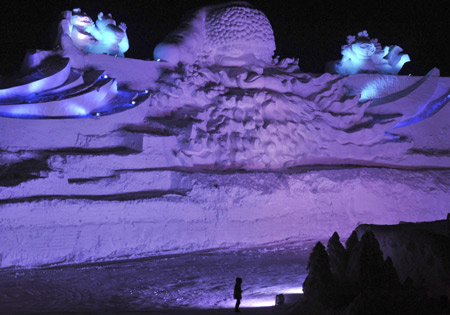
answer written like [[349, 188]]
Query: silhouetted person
[[237, 294], [448, 223]]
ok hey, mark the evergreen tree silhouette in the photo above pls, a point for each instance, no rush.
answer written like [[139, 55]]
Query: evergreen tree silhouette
[[370, 262], [391, 280], [338, 257], [318, 283], [351, 242]]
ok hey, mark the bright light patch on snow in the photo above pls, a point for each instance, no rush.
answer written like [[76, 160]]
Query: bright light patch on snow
[[260, 302], [298, 290], [375, 88], [20, 111], [264, 297], [36, 86], [351, 66], [76, 110]]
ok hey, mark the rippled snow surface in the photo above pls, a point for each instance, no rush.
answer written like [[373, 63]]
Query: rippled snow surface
[[180, 282]]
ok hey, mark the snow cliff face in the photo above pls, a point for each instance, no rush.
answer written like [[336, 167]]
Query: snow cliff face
[[70, 217]]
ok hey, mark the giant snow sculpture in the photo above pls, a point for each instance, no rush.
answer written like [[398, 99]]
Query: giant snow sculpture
[[251, 111], [103, 36], [365, 55], [220, 34], [129, 182]]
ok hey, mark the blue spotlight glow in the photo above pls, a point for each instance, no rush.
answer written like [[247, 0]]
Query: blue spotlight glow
[[428, 110]]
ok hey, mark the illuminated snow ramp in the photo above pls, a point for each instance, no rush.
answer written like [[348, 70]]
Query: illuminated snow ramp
[[66, 93], [52, 73]]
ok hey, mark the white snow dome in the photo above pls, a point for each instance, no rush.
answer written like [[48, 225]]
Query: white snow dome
[[212, 33]]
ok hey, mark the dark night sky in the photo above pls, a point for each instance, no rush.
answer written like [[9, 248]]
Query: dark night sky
[[312, 31]]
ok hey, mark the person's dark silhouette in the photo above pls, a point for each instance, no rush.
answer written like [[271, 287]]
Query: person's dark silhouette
[[448, 223], [237, 294]]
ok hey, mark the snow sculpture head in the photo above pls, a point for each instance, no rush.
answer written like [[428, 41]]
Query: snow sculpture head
[[363, 48], [365, 55], [103, 37], [77, 25], [79, 18], [217, 34]]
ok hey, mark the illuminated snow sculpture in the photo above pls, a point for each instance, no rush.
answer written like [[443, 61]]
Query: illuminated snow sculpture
[[103, 36], [112, 38], [53, 89], [227, 34], [105, 173], [251, 111], [365, 55]]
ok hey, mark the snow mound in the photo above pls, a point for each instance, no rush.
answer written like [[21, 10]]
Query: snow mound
[[212, 33], [238, 29]]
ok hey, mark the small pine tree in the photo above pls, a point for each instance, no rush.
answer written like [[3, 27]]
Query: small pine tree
[[353, 248], [338, 258], [318, 283], [319, 263], [370, 262], [390, 276], [351, 242]]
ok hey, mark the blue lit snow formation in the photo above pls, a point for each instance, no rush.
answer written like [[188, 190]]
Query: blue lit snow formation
[[365, 55], [55, 90], [102, 37], [428, 110]]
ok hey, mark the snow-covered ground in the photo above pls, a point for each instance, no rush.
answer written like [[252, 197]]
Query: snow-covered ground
[[168, 285]]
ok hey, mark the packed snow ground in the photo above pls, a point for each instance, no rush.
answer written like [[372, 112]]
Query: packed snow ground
[[167, 285]]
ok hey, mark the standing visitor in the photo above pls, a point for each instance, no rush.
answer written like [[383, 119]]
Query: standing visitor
[[237, 294]]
